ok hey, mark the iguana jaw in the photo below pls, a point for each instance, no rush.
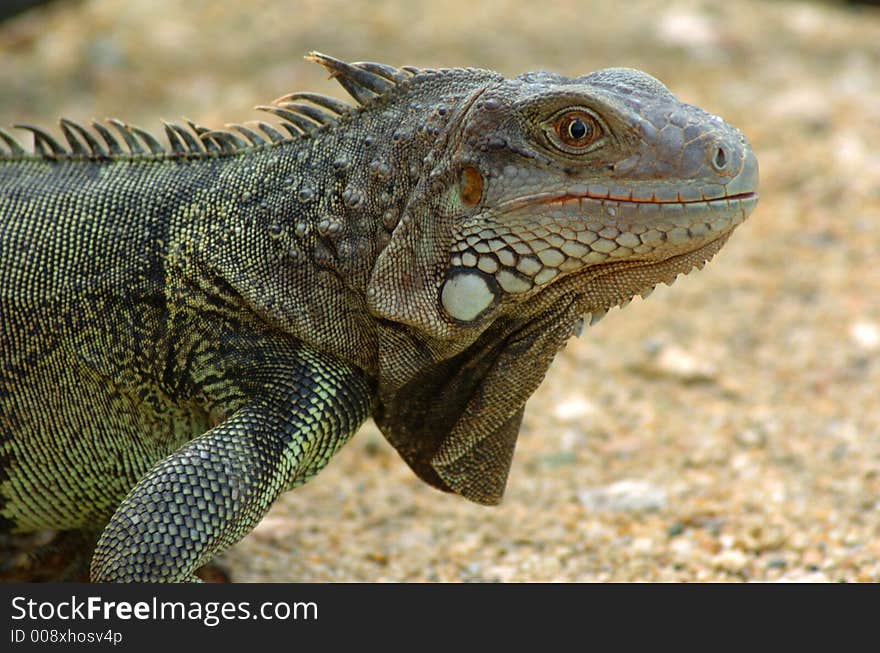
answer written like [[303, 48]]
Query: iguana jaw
[[508, 254], [602, 287]]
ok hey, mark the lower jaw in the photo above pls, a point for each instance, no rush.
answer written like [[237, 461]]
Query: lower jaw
[[604, 286]]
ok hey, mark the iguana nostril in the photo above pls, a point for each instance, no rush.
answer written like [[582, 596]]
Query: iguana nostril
[[720, 159]]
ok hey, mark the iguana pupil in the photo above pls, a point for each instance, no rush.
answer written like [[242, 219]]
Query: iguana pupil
[[577, 129]]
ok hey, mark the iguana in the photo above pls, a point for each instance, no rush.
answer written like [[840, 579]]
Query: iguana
[[188, 330]]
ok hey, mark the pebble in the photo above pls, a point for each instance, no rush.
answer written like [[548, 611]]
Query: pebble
[[688, 28], [865, 334], [802, 576], [732, 560], [628, 495], [684, 365], [574, 408]]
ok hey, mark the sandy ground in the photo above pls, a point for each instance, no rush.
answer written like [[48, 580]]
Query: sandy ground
[[727, 428]]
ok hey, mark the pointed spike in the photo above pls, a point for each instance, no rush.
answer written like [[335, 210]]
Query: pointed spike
[[209, 144], [577, 330], [197, 129], [303, 125], [148, 139], [332, 104], [125, 131], [40, 149], [15, 147], [219, 145], [390, 73], [193, 145], [109, 138], [213, 143], [597, 317], [318, 115], [625, 303], [360, 94], [249, 134], [293, 131], [76, 147], [361, 84], [648, 292], [371, 81], [274, 135], [42, 140], [177, 146], [227, 140], [95, 149]]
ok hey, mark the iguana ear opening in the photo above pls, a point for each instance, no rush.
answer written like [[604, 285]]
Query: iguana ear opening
[[455, 421], [415, 282]]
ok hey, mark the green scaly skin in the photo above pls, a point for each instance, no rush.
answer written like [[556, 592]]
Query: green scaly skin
[[186, 333]]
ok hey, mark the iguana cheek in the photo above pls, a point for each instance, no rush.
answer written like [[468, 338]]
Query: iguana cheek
[[466, 295]]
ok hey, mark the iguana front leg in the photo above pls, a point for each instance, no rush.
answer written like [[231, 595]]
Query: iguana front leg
[[212, 491]]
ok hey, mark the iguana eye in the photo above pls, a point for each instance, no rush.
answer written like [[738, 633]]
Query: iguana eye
[[575, 131]]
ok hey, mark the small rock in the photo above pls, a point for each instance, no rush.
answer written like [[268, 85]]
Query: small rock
[[812, 557], [687, 28], [642, 545], [628, 495], [682, 549], [677, 363], [681, 364], [733, 561], [675, 529], [752, 437], [559, 459], [474, 568], [865, 334], [573, 408], [802, 576], [502, 573]]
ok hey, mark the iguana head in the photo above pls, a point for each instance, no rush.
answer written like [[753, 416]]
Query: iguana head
[[547, 198], [549, 179], [606, 181]]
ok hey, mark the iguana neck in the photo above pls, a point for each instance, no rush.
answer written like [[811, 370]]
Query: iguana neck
[[316, 212]]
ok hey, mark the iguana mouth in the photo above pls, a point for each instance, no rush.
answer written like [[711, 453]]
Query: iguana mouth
[[583, 229], [574, 194], [742, 187], [553, 238]]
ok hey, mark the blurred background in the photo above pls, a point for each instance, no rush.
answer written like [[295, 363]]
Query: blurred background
[[727, 428]]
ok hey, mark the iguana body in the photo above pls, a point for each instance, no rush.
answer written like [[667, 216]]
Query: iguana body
[[184, 334]]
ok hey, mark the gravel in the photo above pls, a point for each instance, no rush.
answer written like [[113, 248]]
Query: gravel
[[725, 429]]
